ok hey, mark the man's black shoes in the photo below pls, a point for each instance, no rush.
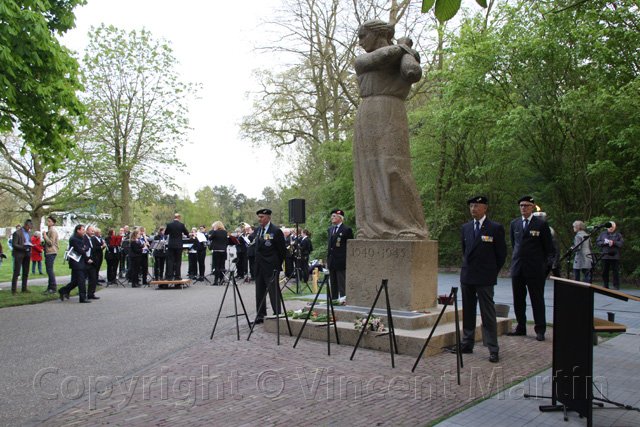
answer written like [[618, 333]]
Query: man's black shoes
[[540, 336], [516, 332], [494, 358]]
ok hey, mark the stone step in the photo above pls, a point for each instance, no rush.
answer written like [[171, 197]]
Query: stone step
[[409, 320], [409, 341]]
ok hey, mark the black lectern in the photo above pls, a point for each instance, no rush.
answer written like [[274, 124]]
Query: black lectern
[[573, 335]]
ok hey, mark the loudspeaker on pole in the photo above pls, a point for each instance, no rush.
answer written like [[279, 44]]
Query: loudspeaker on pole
[[296, 211]]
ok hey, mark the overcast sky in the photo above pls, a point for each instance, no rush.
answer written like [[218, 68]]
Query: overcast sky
[[213, 41]]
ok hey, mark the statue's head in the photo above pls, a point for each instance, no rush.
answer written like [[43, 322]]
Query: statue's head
[[374, 34]]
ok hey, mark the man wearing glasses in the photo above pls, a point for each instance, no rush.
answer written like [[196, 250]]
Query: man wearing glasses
[[530, 263]]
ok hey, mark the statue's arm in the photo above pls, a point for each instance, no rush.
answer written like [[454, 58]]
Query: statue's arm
[[378, 59]]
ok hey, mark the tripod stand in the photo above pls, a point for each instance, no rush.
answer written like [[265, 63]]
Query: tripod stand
[[228, 278], [330, 315], [279, 303], [453, 296]]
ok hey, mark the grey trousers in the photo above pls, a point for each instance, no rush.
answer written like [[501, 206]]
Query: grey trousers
[[471, 296]]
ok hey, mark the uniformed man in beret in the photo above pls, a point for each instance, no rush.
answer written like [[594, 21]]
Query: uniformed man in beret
[[531, 261], [337, 253], [485, 249], [270, 250]]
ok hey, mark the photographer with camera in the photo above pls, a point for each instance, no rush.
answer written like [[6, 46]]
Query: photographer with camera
[[610, 241]]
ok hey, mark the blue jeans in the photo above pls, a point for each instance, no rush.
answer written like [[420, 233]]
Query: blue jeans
[[48, 263], [585, 272], [33, 266]]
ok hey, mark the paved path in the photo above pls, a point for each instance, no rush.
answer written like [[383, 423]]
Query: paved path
[[156, 342], [54, 345]]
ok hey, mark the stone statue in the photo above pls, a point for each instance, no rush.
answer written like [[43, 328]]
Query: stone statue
[[387, 201]]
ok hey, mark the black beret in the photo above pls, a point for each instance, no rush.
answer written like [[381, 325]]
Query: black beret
[[337, 211], [477, 199], [527, 199], [264, 212]]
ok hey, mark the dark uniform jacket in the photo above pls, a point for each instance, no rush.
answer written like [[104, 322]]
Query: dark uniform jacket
[[78, 245], [337, 253], [532, 248], [305, 246], [270, 251], [484, 255], [175, 230]]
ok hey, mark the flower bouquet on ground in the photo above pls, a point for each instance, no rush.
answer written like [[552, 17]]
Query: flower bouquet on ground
[[375, 324], [302, 314]]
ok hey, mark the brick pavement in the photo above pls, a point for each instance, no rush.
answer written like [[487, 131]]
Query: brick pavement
[[230, 382]]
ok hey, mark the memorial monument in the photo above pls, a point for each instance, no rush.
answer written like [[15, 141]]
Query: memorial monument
[[392, 240]]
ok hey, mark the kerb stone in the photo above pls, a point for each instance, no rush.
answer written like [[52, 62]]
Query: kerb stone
[[411, 266]]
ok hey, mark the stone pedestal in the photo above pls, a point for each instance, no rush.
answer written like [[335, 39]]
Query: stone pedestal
[[410, 265]]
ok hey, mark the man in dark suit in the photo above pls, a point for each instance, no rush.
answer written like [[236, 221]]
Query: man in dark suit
[[337, 253], [174, 231], [270, 249], [531, 261], [21, 242], [94, 253], [306, 247], [484, 248]]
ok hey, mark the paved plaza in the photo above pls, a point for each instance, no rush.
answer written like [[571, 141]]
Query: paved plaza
[[144, 357]]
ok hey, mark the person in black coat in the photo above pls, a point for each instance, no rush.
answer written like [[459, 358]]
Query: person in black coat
[[94, 252], [251, 251], [531, 261], [159, 255], [111, 255], [174, 231], [241, 251], [339, 234], [610, 241], [270, 250], [136, 258], [218, 243], [80, 249], [484, 249], [306, 247]]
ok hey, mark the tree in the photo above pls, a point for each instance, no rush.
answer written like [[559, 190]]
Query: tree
[[39, 188], [138, 116], [39, 77]]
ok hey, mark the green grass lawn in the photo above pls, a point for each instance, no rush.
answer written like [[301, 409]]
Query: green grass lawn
[[35, 297], [60, 268]]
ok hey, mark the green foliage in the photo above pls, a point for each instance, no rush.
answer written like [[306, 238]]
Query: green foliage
[[541, 103], [445, 9], [39, 77], [138, 116]]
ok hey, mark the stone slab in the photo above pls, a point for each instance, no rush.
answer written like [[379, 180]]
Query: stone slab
[[409, 341], [401, 319], [411, 266]]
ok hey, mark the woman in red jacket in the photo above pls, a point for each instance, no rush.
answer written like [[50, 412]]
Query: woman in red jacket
[[36, 253]]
